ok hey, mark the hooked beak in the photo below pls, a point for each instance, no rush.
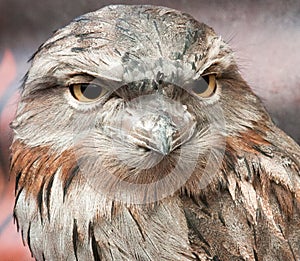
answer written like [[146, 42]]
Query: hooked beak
[[163, 133]]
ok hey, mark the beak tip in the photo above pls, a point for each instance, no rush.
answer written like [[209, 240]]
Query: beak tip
[[165, 152]]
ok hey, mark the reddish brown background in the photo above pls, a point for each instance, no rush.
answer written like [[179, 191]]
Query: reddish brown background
[[264, 34]]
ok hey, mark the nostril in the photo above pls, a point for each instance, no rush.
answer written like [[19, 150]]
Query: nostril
[[143, 149]]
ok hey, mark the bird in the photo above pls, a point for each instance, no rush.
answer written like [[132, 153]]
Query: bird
[[137, 138]]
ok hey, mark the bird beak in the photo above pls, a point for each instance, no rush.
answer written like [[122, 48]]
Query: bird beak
[[161, 133]]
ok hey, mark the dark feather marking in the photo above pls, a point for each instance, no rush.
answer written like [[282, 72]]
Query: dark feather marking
[[255, 243], [48, 194], [237, 173], [291, 248], [158, 33], [95, 247], [112, 210], [194, 66], [39, 199], [249, 224], [156, 28], [111, 255], [222, 186], [195, 201], [68, 181], [77, 49], [194, 227], [191, 37], [249, 176], [24, 79], [117, 51], [122, 251], [81, 19], [196, 257], [216, 258], [159, 48], [16, 201], [104, 62], [229, 159], [221, 218], [28, 237], [16, 221], [75, 238], [32, 57], [205, 211], [82, 35], [206, 251], [43, 256], [125, 32], [17, 181], [288, 242], [263, 151], [255, 255], [187, 256], [256, 169], [137, 223], [204, 200]]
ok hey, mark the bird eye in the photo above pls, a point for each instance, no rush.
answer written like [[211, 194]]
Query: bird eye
[[86, 92], [205, 86]]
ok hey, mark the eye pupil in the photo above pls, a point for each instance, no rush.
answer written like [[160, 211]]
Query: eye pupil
[[205, 86], [91, 91], [201, 85]]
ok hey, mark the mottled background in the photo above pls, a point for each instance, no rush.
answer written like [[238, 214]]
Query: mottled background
[[264, 34]]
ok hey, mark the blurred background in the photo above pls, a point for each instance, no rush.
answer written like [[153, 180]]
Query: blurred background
[[265, 36]]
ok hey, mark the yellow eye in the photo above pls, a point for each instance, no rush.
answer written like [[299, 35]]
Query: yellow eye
[[86, 92], [205, 86]]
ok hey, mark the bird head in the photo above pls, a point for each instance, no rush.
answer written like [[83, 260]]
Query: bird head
[[139, 98]]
